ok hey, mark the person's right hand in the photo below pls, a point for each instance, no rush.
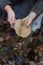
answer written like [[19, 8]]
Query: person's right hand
[[11, 15]]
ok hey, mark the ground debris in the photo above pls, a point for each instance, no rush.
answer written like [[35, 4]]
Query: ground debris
[[14, 50]]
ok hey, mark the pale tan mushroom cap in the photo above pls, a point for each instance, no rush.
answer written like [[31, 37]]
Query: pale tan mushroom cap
[[21, 29]]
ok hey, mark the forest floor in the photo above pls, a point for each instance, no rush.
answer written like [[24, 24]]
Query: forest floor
[[15, 50]]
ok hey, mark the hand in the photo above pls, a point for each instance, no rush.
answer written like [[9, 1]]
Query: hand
[[11, 15], [30, 18]]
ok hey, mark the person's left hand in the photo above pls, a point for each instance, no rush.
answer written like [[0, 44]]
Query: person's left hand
[[30, 18]]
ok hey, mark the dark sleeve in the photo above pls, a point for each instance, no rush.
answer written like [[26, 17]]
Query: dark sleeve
[[38, 7], [3, 3]]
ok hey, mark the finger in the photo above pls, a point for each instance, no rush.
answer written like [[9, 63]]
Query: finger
[[13, 20], [27, 25], [26, 19], [11, 26], [9, 20]]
